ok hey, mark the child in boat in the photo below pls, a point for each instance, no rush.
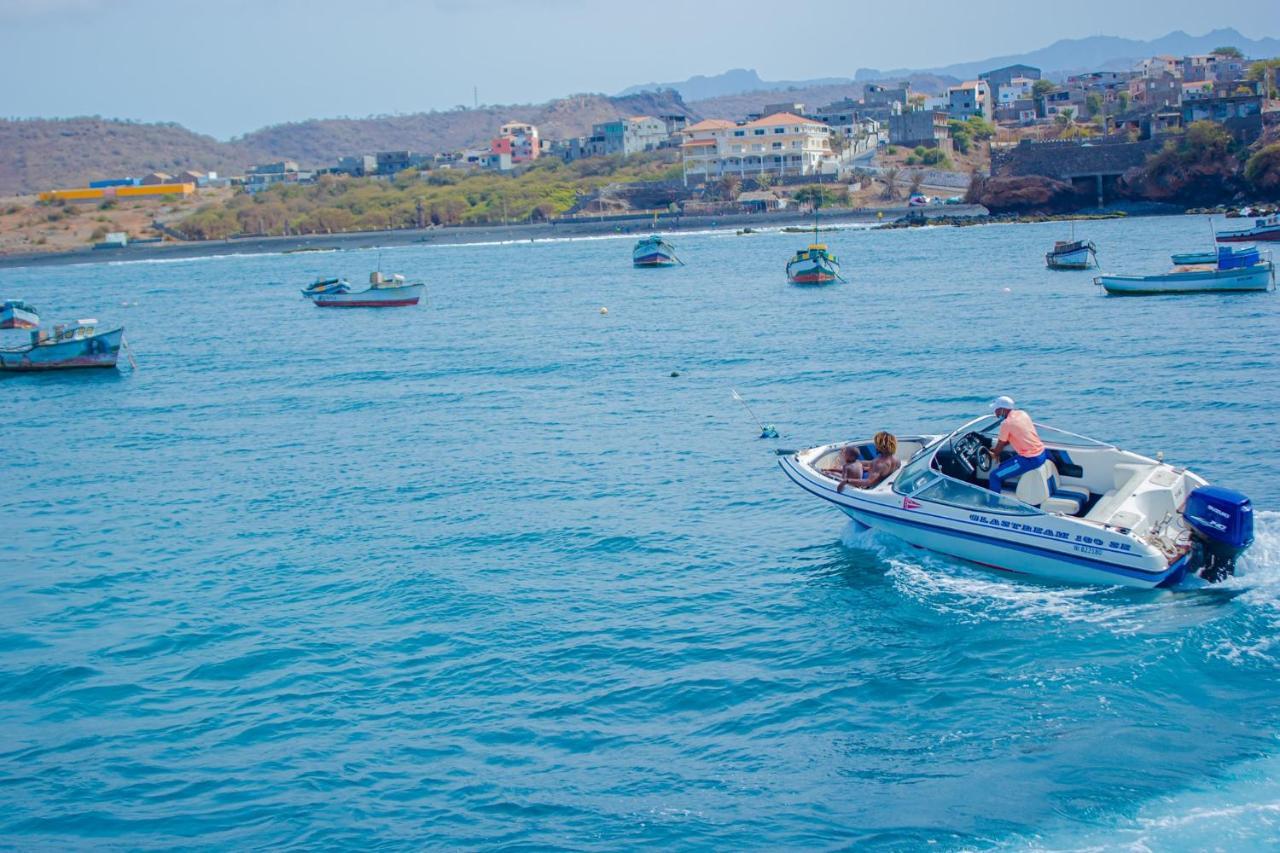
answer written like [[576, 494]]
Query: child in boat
[[868, 475]]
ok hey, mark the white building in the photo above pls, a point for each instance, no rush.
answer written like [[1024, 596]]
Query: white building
[[1017, 89], [782, 144]]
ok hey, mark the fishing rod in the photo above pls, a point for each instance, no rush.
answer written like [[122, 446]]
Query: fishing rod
[[766, 430]]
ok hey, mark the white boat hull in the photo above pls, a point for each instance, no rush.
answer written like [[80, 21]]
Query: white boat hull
[[1257, 277], [1079, 259], [1043, 545], [374, 297]]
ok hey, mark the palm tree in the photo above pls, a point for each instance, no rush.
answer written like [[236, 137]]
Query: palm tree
[[917, 178], [890, 178]]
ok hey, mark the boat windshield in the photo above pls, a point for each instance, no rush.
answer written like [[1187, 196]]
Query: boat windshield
[[1048, 434]]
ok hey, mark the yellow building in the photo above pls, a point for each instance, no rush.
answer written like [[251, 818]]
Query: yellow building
[[105, 193], [781, 144]]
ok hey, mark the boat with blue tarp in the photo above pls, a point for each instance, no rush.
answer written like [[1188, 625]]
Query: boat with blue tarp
[[653, 251], [1231, 271]]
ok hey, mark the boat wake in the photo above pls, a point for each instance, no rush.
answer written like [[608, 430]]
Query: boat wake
[[973, 594]]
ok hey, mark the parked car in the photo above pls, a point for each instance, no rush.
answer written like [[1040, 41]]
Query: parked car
[[956, 199], [918, 200]]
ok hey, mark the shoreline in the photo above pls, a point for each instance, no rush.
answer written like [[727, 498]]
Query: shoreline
[[465, 234]]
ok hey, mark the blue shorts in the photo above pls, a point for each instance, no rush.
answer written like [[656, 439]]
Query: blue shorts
[[1013, 467]]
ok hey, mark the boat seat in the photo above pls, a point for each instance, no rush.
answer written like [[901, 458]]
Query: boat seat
[[1127, 476], [1039, 487]]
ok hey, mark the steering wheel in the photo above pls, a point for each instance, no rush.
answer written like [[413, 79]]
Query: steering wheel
[[971, 452]]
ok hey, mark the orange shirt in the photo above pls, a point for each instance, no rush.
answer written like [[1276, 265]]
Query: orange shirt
[[1020, 432]]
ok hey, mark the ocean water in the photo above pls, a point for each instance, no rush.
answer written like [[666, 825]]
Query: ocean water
[[486, 574]]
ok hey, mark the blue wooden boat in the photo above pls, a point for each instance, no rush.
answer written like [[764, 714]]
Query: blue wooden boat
[[1188, 259], [653, 251], [79, 344]]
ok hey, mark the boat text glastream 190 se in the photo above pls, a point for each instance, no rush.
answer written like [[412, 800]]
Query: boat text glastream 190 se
[[1093, 514]]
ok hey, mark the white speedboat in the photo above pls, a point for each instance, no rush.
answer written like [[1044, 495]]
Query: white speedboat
[[1093, 514]]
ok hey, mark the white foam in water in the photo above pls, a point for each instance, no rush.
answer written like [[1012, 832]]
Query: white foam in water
[[1239, 814], [974, 594]]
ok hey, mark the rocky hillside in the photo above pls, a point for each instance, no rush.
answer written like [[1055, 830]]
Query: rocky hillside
[[42, 153], [38, 154]]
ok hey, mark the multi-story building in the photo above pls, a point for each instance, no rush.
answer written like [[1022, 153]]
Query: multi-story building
[[1017, 89], [1158, 66], [783, 144], [1164, 90], [970, 98], [930, 128], [518, 140], [1004, 76], [358, 165], [875, 95], [627, 136]]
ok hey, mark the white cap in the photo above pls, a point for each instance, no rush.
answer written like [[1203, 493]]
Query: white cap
[[1001, 403]]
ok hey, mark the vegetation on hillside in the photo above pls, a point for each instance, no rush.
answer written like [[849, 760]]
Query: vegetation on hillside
[[334, 204]]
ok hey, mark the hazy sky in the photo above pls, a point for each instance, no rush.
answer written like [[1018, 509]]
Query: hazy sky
[[231, 66]]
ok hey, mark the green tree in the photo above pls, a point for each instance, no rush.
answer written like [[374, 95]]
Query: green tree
[[1093, 104], [981, 128], [1040, 88], [890, 178], [1266, 71], [1262, 170], [1124, 98], [1233, 52]]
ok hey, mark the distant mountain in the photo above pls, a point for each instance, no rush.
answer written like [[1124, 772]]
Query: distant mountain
[[40, 154], [733, 82], [1099, 53]]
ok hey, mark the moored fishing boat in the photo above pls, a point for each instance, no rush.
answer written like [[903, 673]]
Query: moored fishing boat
[[383, 292], [1263, 230], [79, 344], [1092, 514], [653, 251], [1071, 255], [814, 265], [1238, 271], [16, 314], [1188, 259]]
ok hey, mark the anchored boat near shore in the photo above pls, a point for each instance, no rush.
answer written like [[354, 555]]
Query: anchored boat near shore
[[653, 251], [77, 345], [1264, 230], [383, 292], [1235, 271], [1093, 514], [1072, 255], [814, 265], [16, 314]]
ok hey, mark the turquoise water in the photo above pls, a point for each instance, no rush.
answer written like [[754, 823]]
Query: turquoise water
[[485, 574]]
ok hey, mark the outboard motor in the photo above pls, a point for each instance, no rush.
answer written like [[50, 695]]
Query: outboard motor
[[1221, 522]]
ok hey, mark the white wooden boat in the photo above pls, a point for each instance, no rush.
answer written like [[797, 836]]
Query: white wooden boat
[[1091, 514], [79, 344], [1071, 255], [1234, 272], [1189, 259], [383, 292], [16, 314]]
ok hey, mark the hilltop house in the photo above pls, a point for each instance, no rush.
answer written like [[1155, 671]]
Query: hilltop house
[[782, 144], [970, 98], [627, 136], [518, 140]]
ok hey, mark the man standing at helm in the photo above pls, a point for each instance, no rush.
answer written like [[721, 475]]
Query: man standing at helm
[[1017, 431]]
